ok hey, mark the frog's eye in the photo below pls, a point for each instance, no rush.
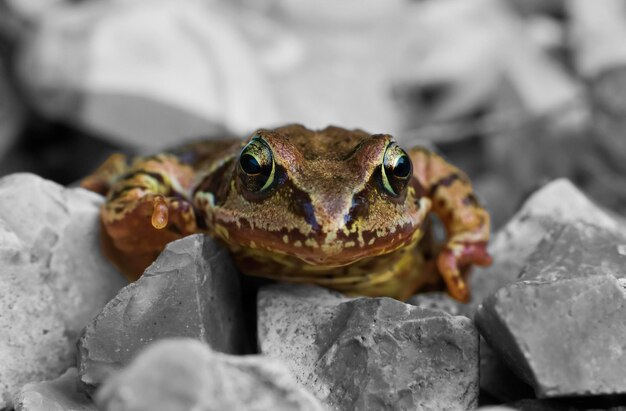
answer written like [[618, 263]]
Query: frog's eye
[[256, 166], [396, 170]]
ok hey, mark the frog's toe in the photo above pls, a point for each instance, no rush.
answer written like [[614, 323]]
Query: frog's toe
[[454, 263], [476, 254], [448, 266], [160, 213]]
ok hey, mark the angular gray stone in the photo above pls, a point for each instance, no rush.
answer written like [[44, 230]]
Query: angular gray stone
[[191, 290], [562, 327], [52, 276], [577, 250], [185, 374], [558, 202], [61, 394], [370, 353]]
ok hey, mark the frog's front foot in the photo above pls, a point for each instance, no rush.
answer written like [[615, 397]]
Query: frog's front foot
[[138, 230], [454, 263]]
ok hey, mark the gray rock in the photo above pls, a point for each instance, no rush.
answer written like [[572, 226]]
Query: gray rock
[[562, 327], [31, 10], [437, 300], [61, 394], [556, 203], [53, 277], [549, 210], [191, 290], [185, 374], [136, 98], [577, 250], [370, 353]]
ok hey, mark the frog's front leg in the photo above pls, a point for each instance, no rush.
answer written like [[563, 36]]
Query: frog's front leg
[[101, 180], [466, 222], [146, 207]]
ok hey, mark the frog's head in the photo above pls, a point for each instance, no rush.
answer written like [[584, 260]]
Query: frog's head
[[328, 197]]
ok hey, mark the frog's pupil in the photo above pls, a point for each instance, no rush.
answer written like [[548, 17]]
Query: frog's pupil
[[249, 164], [402, 168]]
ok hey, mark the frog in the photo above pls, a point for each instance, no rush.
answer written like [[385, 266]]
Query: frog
[[339, 208]]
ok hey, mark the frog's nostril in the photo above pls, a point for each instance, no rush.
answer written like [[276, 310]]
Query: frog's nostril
[[328, 216]]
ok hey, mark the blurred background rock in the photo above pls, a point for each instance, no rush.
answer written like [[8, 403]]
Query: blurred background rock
[[515, 92]]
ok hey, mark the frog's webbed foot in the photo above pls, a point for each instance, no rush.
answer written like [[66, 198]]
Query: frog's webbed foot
[[454, 263], [152, 215], [137, 230], [146, 208]]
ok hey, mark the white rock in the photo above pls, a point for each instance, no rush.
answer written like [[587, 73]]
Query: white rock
[[53, 277], [597, 31], [185, 374], [147, 72], [462, 52], [61, 394]]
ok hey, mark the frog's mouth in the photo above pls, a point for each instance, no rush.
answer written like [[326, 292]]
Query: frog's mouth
[[320, 250], [346, 271]]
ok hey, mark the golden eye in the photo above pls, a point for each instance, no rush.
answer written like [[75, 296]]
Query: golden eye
[[256, 165], [396, 170]]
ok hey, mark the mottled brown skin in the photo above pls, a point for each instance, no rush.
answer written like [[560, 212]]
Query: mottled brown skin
[[335, 207]]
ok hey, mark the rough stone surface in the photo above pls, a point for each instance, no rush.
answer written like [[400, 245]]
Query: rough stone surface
[[52, 276], [61, 394], [562, 327], [185, 374], [370, 353], [436, 300], [577, 250], [558, 202], [191, 290]]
